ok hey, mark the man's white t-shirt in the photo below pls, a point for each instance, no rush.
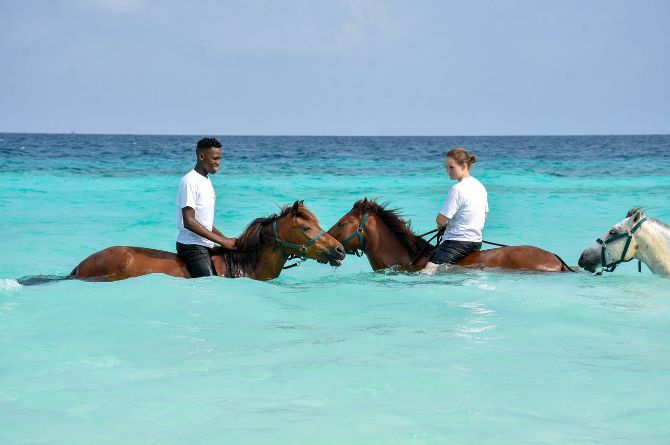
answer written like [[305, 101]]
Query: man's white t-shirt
[[466, 207], [195, 191]]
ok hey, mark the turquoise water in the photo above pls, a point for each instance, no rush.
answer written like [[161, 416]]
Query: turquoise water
[[323, 355]]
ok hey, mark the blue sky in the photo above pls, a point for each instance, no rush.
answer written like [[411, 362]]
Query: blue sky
[[335, 67]]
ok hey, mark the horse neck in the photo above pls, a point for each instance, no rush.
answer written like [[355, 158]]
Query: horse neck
[[654, 247], [270, 264], [383, 248]]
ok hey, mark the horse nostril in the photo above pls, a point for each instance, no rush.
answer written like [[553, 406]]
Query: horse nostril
[[340, 249]]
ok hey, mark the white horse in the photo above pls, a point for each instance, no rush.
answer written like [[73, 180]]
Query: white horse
[[635, 237]]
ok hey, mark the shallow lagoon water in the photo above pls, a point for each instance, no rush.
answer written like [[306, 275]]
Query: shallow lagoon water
[[329, 355]]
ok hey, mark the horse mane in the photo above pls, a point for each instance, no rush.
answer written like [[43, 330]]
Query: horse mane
[[244, 261], [400, 227], [660, 223], [632, 211]]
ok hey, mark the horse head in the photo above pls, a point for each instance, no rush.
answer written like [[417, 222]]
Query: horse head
[[351, 230], [618, 245], [382, 234], [297, 232]]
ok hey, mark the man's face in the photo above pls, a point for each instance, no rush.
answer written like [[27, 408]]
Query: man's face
[[210, 159]]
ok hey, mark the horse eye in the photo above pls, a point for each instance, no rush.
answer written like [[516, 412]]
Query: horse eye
[[340, 224], [306, 229], [613, 232]]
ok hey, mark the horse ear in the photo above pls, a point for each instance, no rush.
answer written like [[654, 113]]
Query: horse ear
[[636, 213], [364, 205], [296, 207]]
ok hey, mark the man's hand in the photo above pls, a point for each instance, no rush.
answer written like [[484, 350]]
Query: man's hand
[[229, 243], [441, 220]]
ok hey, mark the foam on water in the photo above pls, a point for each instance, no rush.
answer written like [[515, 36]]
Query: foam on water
[[9, 284]]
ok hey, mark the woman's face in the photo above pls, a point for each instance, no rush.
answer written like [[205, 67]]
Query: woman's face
[[455, 170]]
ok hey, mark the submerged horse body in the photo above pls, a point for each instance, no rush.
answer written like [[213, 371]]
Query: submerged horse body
[[263, 250], [388, 241], [634, 237]]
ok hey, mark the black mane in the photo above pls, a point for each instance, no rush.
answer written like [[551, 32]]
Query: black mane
[[401, 228]]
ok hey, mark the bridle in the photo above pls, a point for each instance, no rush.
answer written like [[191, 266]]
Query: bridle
[[361, 239], [629, 237], [302, 248]]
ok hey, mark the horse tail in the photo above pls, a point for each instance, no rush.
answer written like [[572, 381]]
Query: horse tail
[[564, 267], [32, 280]]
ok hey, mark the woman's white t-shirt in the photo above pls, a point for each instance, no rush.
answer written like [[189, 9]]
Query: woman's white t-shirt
[[195, 191], [466, 207]]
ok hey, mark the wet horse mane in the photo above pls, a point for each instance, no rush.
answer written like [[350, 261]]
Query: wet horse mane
[[244, 261], [632, 212], [400, 227]]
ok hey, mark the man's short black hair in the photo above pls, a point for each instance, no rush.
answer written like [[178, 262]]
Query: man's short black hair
[[208, 143]]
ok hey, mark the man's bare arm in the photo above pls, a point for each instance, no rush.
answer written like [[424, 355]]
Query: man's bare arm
[[192, 224]]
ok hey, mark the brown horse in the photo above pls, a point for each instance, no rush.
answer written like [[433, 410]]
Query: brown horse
[[263, 249], [387, 240]]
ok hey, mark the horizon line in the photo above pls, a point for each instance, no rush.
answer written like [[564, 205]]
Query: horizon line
[[74, 133]]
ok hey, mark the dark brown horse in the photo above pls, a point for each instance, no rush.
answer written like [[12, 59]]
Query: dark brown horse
[[387, 240], [263, 249]]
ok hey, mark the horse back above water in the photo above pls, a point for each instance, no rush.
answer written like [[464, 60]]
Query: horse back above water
[[263, 249], [388, 241]]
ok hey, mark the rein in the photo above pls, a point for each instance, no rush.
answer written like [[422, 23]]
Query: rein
[[439, 233], [302, 248], [559, 258], [629, 237]]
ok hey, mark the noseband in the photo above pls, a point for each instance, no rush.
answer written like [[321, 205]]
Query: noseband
[[629, 235], [361, 239], [302, 248]]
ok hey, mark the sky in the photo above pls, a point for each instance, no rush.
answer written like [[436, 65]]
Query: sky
[[335, 67]]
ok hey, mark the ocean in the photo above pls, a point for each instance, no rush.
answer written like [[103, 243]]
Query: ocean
[[330, 355]]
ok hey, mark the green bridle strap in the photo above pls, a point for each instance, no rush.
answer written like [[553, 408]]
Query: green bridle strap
[[361, 239], [302, 248], [629, 235]]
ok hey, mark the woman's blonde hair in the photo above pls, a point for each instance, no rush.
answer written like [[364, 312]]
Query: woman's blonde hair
[[461, 156]]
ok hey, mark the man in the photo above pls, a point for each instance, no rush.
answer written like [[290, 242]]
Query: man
[[195, 211]]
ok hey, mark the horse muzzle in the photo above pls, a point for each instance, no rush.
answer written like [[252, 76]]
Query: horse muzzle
[[335, 256], [589, 260]]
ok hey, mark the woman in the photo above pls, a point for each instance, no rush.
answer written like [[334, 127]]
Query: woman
[[464, 211]]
